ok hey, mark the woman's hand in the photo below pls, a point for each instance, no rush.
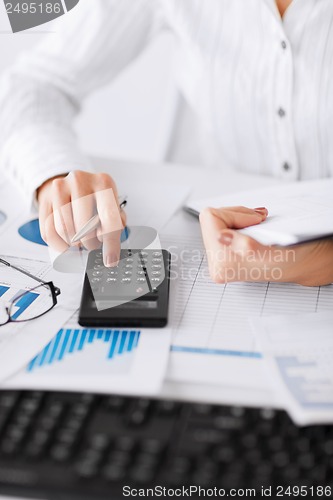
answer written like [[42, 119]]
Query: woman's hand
[[67, 202], [233, 256]]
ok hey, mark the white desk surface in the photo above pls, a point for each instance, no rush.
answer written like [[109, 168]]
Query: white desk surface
[[203, 183]]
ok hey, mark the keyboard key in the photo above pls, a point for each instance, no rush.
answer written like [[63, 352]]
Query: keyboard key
[[100, 442], [114, 403], [142, 475], [224, 454], [167, 407], [8, 447], [34, 450], [119, 458], [114, 473], [8, 400], [86, 470], [60, 453], [125, 443], [202, 409], [153, 446], [137, 418]]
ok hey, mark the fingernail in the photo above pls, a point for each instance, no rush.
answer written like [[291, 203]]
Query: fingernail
[[226, 238], [261, 210], [111, 260]]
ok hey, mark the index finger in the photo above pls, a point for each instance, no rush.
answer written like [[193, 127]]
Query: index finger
[[111, 225]]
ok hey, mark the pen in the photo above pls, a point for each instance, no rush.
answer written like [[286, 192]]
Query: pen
[[93, 223]]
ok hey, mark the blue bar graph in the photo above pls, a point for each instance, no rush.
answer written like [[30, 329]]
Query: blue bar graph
[[68, 342], [23, 303], [3, 290]]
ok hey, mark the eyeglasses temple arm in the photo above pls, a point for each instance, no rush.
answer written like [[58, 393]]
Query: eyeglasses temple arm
[[8, 264]]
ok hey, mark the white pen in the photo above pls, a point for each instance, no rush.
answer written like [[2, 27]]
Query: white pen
[[93, 223]]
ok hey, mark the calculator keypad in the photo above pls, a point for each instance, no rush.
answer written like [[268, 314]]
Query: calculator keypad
[[137, 275]]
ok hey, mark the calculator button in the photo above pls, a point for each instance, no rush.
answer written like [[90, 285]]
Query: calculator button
[[144, 254], [140, 273], [97, 273], [142, 266], [111, 280], [112, 272], [98, 254], [156, 280], [156, 273], [156, 260], [141, 279], [126, 280], [128, 266], [156, 266], [95, 280], [128, 273], [144, 260], [129, 260], [157, 254]]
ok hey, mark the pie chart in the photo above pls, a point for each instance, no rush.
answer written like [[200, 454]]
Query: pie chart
[[30, 232]]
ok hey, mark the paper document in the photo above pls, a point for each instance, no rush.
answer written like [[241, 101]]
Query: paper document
[[20, 341], [109, 360], [212, 341], [298, 211], [298, 353]]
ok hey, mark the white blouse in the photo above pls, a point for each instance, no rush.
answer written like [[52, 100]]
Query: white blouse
[[261, 87]]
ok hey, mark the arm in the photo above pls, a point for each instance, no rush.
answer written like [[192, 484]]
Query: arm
[[232, 256], [41, 95]]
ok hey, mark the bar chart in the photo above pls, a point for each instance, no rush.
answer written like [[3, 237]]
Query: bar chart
[[74, 343], [25, 299]]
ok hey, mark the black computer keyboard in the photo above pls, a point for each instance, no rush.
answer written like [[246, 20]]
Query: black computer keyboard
[[82, 446]]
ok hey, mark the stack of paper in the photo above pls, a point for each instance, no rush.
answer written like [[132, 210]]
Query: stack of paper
[[298, 212], [298, 353]]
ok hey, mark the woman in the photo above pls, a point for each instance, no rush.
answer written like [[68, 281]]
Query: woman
[[257, 75]]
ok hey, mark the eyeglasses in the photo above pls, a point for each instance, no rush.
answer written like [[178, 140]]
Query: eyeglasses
[[28, 303]]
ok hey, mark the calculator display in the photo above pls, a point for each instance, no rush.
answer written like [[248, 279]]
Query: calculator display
[[133, 304]]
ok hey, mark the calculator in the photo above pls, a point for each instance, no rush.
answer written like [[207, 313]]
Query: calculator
[[134, 293]]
